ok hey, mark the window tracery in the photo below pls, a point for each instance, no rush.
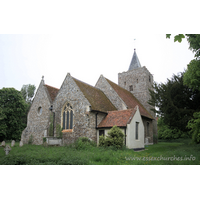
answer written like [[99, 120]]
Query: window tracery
[[67, 117]]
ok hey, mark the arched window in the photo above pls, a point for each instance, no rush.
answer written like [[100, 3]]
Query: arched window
[[67, 117]]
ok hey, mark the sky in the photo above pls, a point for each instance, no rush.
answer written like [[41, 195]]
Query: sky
[[90, 38], [25, 58]]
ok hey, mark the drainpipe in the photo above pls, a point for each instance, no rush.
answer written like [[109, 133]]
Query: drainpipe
[[125, 135], [51, 109]]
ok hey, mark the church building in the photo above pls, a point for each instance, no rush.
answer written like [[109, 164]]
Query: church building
[[86, 111]]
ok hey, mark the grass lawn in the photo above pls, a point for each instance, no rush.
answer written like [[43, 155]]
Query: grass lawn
[[178, 152]]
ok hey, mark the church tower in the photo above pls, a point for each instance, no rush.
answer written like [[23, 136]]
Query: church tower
[[138, 80]]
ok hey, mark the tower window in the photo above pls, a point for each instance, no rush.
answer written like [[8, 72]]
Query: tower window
[[125, 83], [130, 88], [149, 78], [137, 80]]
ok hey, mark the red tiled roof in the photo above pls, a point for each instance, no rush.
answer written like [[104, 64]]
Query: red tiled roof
[[95, 96], [52, 91], [119, 118], [129, 99]]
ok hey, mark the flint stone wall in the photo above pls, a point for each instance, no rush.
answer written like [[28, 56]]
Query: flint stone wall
[[84, 122], [141, 81], [37, 124], [112, 95]]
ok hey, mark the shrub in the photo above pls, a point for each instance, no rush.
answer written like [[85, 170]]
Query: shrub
[[194, 125], [51, 126], [155, 139], [44, 139], [165, 132], [59, 131], [115, 138], [84, 143], [30, 141]]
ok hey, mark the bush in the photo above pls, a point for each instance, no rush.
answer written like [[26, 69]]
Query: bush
[[115, 138], [59, 133], [30, 141], [155, 139], [51, 126], [83, 143], [167, 133], [194, 125], [44, 140]]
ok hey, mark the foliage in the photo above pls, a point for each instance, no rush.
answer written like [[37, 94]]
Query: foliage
[[12, 108], [44, 139], [178, 37], [27, 92], [84, 143], [192, 78], [194, 125], [59, 131], [51, 125], [176, 103], [115, 138], [167, 133], [69, 155], [155, 138], [30, 141], [192, 73]]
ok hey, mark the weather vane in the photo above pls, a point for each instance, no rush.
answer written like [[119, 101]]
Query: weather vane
[[134, 44]]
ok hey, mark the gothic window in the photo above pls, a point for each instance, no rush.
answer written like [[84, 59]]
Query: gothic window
[[130, 88], [149, 78], [136, 130], [125, 83], [67, 117], [137, 80]]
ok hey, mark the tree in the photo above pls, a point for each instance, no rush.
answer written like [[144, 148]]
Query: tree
[[27, 92], [192, 78], [176, 102], [12, 108], [192, 73]]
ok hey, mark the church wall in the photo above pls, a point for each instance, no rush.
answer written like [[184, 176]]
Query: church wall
[[103, 85], [147, 134], [37, 123], [138, 81], [84, 122], [131, 141]]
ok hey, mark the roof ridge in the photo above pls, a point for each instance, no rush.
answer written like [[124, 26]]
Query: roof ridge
[[51, 86], [129, 109], [138, 102], [95, 96]]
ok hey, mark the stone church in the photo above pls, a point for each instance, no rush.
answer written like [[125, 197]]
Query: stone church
[[83, 110]]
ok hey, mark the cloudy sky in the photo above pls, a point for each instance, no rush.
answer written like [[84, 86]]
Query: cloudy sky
[[87, 39]]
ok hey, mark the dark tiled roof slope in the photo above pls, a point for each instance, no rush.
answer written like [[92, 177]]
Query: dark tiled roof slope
[[52, 91], [129, 99], [119, 118], [96, 97]]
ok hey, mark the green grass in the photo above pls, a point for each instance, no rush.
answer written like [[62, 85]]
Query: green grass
[[166, 153]]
